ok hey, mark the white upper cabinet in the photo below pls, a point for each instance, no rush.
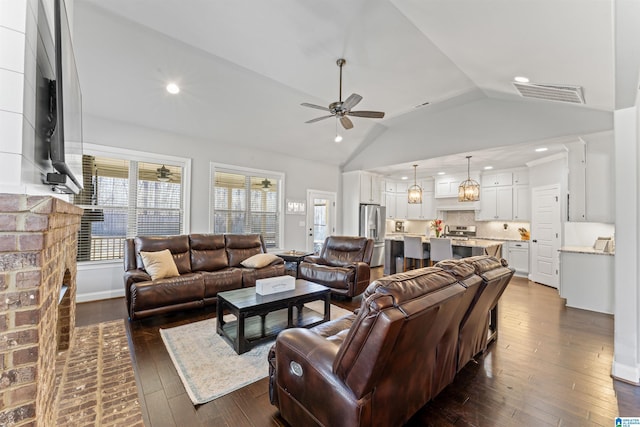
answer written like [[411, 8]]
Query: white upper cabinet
[[447, 185], [426, 209], [496, 203], [497, 179], [520, 177], [521, 203], [370, 188]]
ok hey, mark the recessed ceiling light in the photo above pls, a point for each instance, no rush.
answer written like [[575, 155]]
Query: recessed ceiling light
[[541, 149], [488, 168], [521, 79], [173, 88], [441, 173], [404, 178]]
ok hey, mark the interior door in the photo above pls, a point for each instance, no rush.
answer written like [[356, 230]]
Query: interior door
[[321, 216], [545, 235]]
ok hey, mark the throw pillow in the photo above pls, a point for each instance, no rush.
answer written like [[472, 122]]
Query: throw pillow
[[259, 260], [159, 264]]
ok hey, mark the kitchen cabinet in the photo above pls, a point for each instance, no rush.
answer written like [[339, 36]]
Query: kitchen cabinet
[[518, 257], [402, 207], [496, 179], [426, 209], [520, 176], [370, 188], [390, 205], [447, 186], [396, 200], [587, 280], [396, 205], [521, 203], [496, 203]]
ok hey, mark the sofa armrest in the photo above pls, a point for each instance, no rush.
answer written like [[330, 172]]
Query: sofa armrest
[[130, 277], [363, 274], [314, 386], [314, 259]]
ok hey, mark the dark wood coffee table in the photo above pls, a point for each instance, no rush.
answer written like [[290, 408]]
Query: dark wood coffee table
[[247, 305]]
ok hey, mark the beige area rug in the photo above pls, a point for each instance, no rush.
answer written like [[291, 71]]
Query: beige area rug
[[95, 383], [209, 367]]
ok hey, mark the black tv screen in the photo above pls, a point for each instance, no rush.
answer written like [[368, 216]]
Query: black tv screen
[[65, 149]]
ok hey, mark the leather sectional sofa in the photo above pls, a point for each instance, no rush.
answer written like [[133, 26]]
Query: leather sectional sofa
[[378, 366], [206, 263]]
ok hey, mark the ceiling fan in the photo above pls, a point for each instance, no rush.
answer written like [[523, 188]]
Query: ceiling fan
[[342, 109]]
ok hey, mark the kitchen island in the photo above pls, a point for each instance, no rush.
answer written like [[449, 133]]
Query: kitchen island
[[394, 248], [587, 278]]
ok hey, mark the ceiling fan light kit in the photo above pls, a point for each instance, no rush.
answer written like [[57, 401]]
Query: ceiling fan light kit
[[340, 109], [163, 174], [468, 190], [414, 194]]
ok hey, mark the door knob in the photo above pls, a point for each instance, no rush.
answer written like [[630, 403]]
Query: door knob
[[534, 241]]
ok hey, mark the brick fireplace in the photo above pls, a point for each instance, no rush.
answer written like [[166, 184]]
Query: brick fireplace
[[38, 238]]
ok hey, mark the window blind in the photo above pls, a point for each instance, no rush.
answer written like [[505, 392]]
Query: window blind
[[244, 202], [125, 198]]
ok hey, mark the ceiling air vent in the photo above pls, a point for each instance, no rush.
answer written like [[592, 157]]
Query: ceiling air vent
[[551, 92]]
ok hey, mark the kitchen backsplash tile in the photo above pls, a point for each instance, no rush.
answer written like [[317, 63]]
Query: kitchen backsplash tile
[[488, 229]]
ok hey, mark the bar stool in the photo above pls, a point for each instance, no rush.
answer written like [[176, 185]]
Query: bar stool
[[414, 250], [441, 249]]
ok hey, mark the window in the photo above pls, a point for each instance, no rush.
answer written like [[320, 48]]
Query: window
[[126, 198], [247, 201]]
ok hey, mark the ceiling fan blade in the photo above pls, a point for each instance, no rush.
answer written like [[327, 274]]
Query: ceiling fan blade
[[351, 101], [346, 123], [317, 107], [369, 114], [317, 119]]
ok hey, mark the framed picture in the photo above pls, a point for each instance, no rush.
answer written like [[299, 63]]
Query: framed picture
[[296, 207]]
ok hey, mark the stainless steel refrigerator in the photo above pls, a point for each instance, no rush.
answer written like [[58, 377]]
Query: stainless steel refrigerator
[[372, 225]]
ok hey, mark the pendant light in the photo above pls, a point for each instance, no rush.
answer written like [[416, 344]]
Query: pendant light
[[415, 191], [469, 190], [266, 184]]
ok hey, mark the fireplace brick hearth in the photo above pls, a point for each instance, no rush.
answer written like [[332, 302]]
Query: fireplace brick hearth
[[38, 246]]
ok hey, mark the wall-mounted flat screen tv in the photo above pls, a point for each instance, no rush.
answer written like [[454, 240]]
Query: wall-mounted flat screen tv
[[65, 111]]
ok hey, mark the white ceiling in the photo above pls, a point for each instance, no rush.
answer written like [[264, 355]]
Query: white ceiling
[[245, 66]]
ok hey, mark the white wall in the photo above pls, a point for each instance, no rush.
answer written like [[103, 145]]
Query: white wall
[[100, 280], [626, 344], [600, 178]]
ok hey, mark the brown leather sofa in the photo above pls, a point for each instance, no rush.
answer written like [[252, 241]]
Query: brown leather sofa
[[379, 365], [207, 263], [343, 265]]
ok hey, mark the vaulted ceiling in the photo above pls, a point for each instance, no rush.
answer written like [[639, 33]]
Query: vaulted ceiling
[[244, 67]]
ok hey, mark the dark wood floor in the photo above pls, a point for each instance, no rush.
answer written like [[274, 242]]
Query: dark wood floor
[[550, 366]]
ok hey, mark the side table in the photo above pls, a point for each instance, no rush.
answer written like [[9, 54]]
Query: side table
[[293, 257]]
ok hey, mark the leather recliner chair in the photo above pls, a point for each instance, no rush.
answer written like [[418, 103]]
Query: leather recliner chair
[[343, 265]]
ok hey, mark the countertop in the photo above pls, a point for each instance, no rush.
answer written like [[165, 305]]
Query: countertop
[[471, 243], [498, 239], [584, 250]]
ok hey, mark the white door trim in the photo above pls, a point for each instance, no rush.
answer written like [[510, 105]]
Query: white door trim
[[311, 194]]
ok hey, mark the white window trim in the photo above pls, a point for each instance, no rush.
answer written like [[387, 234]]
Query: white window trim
[[281, 186], [142, 156]]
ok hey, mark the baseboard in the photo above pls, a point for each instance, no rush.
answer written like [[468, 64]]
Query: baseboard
[[97, 296], [628, 374]]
